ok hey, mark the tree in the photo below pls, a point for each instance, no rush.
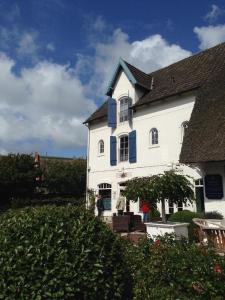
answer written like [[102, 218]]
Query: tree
[[169, 186], [66, 177], [17, 176]]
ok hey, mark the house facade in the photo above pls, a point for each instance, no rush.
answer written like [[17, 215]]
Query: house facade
[[141, 127]]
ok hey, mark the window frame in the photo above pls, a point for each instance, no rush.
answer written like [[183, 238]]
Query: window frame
[[100, 144], [154, 140], [184, 126], [125, 154], [124, 114], [105, 187]]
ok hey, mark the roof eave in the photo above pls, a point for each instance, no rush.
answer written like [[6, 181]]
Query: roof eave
[[121, 65]]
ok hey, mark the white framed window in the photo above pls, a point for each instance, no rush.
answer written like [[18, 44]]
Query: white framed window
[[101, 148], [124, 148], [105, 190], [154, 137], [184, 127], [125, 103]]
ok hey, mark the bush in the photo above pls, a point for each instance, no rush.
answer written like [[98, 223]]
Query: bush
[[154, 214], [213, 215], [66, 178], [170, 269], [47, 200], [186, 216], [17, 176], [60, 253]]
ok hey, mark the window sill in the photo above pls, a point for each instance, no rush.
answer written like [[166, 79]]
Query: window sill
[[100, 155], [153, 146]]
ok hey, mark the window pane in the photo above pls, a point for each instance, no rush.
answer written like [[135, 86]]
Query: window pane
[[124, 148]]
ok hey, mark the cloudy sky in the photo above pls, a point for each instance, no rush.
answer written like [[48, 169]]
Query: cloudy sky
[[57, 56]]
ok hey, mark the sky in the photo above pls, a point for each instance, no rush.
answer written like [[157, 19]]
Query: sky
[[57, 57]]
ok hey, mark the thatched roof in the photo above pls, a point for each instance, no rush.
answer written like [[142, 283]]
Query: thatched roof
[[204, 139]]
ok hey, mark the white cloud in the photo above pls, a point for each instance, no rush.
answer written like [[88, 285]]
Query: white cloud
[[149, 54], [27, 45], [50, 47], [213, 15], [45, 105], [210, 36]]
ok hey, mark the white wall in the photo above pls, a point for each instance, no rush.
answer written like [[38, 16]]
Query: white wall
[[167, 116]]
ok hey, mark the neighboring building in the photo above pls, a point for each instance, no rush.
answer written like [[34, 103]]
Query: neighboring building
[[140, 129]]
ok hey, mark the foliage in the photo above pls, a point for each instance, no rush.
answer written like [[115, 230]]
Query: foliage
[[17, 176], [170, 269], [66, 178], [154, 214], [186, 216], [60, 253], [213, 215], [91, 198], [169, 186], [47, 200]]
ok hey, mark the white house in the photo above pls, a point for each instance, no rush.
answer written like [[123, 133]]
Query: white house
[[141, 127]]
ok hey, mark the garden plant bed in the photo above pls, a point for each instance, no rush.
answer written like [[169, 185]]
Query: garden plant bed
[[155, 229]]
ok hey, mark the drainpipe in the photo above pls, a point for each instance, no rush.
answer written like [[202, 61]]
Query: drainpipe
[[87, 169]]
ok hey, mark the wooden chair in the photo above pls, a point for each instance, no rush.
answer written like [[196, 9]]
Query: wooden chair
[[211, 231]]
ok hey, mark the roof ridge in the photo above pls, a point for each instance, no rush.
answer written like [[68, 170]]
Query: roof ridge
[[136, 68]]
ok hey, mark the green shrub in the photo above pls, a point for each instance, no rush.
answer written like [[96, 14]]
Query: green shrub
[[46, 200], [170, 269], [60, 253], [154, 214], [213, 215], [186, 216]]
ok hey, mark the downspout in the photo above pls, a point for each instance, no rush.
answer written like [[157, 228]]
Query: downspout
[[87, 169]]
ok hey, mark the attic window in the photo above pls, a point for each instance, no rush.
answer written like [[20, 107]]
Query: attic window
[[184, 127], [172, 79]]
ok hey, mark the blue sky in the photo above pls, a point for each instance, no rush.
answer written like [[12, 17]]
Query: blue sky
[[57, 56]]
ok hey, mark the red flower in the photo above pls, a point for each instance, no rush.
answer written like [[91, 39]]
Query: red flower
[[217, 269], [157, 242]]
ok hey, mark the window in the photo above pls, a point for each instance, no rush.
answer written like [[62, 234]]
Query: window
[[123, 151], [184, 127], [101, 147], [105, 190], [125, 103], [154, 136], [171, 207], [180, 206]]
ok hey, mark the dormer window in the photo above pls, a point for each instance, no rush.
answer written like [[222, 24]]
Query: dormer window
[[184, 127], [125, 103]]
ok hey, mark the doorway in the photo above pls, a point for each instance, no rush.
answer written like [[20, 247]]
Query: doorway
[[199, 194], [122, 187]]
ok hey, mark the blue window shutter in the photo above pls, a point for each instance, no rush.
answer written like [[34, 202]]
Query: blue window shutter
[[113, 159], [112, 113], [132, 147]]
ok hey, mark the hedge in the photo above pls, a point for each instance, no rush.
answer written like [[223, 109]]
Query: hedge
[[60, 253]]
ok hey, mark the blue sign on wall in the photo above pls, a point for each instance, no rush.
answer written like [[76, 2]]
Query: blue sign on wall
[[214, 186]]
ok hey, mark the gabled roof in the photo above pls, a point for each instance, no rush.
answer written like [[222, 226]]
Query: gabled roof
[[100, 114], [136, 76], [204, 139], [186, 75]]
